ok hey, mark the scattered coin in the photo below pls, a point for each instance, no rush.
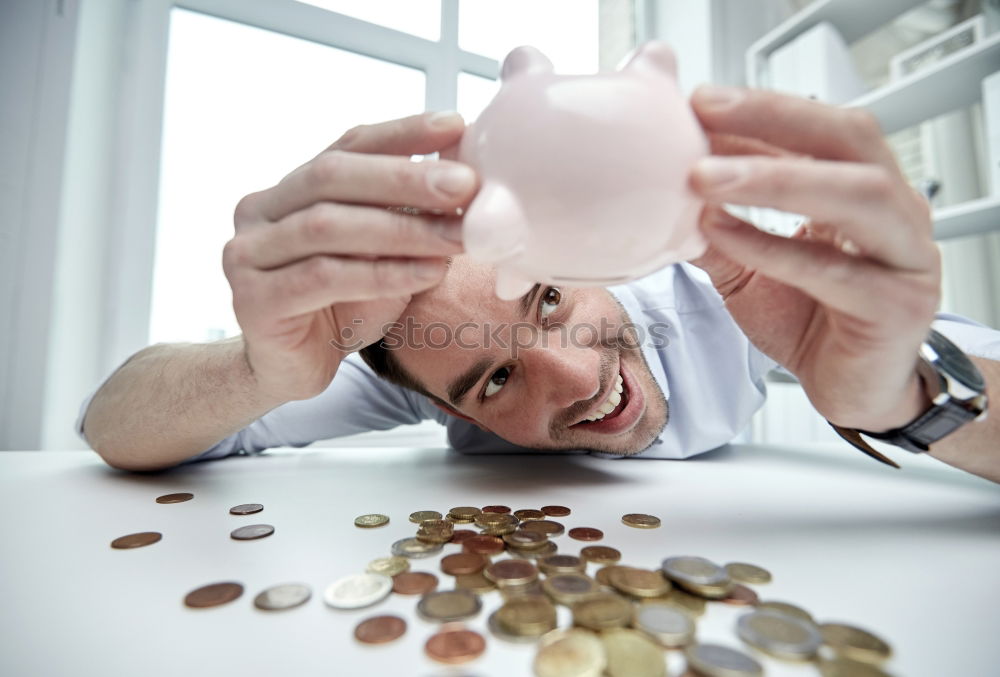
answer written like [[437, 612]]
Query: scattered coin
[[687, 602], [498, 631], [251, 532], [371, 521], [136, 540], [460, 535], [844, 667], [714, 660], [779, 635], [600, 554], [496, 508], [741, 595], [477, 583], [414, 549], [569, 589], [358, 590], [742, 572], [388, 566], [603, 575], [667, 624], [787, 609], [529, 514], [586, 534], [446, 606], [414, 583], [547, 527], [284, 596], [601, 611], [632, 654], [698, 575], [465, 513], [455, 645], [549, 548], [641, 521], [215, 594], [570, 652], [462, 563], [639, 582], [424, 515], [435, 531], [526, 540], [527, 616], [854, 643], [483, 545], [246, 509], [511, 572], [380, 629], [174, 498], [561, 564], [555, 510]]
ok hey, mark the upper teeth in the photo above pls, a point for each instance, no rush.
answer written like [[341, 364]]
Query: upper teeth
[[614, 399]]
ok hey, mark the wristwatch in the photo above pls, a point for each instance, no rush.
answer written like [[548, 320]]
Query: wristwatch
[[957, 392]]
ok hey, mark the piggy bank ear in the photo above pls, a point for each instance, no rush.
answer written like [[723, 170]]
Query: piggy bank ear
[[494, 228], [654, 57], [510, 286], [525, 61]]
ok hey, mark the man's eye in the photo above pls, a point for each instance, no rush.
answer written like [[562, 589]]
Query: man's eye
[[496, 381], [549, 302]]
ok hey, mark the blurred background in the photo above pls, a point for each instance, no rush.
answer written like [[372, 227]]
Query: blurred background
[[130, 129]]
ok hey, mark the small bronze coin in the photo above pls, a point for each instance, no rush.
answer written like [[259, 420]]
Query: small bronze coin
[[252, 531], [741, 595], [174, 498], [641, 521], [246, 509], [529, 514], [600, 554], [371, 521], [414, 583], [496, 508], [508, 572], [462, 563], [455, 645], [586, 534], [136, 540], [461, 535], [547, 527], [483, 545], [380, 629], [213, 595], [555, 510]]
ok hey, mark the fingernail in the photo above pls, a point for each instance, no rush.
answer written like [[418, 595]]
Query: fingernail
[[426, 270], [717, 173], [450, 231], [713, 96], [452, 180], [444, 119]]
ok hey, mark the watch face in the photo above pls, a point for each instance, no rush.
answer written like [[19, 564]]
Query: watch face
[[953, 361]]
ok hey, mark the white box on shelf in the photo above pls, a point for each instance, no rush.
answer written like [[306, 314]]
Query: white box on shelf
[[931, 51], [817, 65]]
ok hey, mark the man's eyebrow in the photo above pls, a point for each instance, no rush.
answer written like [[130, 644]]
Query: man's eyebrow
[[464, 383], [525, 300]]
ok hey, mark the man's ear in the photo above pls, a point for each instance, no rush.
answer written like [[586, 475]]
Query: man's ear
[[452, 412]]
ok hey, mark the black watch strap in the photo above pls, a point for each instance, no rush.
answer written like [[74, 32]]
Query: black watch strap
[[932, 425]]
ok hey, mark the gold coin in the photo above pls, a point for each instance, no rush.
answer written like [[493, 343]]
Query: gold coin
[[787, 609], [388, 566], [527, 514], [779, 635], [854, 643], [569, 589], [569, 653], [534, 588], [639, 582], [526, 540], [371, 521], [748, 573], [600, 554], [632, 654], [640, 521], [547, 527], [465, 512], [687, 602], [527, 615], [561, 564], [843, 667], [447, 606], [491, 518], [424, 515], [477, 583], [601, 611], [603, 575], [549, 548], [511, 572]]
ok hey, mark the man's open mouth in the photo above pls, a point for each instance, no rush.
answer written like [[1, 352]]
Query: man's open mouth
[[620, 409]]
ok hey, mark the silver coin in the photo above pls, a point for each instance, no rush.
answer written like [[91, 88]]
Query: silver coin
[[447, 606], [284, 596], [667, 624], [715, 660], [359, 590], [415, 549], [252, 531], [697, 570], [780, 635]]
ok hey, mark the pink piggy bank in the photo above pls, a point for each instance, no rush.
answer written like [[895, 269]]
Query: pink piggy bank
[[584, 177]]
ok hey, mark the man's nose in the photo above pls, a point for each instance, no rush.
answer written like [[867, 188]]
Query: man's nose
[[565, 374]]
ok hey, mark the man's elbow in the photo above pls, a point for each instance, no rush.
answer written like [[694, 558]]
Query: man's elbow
[[134, 460]]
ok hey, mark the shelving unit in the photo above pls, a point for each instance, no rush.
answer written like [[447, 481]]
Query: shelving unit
[[951, 84]]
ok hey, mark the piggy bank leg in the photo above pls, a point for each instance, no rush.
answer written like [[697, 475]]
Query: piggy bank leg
[[511, 286], [493, 228]]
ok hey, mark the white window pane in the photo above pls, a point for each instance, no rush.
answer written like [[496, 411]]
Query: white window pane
[[565, 30], [243, 108], [417, 17], [474, 92]]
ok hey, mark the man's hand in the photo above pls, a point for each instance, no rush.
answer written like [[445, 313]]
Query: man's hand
[[321, 261], [846, 302]]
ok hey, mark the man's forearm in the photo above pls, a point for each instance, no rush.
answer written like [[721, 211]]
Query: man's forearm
[[172, 401], [975, 447]]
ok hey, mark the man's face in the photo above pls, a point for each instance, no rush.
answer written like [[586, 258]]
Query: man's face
[[532, 370]]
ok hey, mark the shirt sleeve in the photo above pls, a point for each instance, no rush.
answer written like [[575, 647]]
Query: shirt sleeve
[[972, 337]]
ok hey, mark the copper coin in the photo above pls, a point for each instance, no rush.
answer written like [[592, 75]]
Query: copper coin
[[511, 572], [461, 535], [527, 514], [462, 563], [252, 531], [555, 510], [483, 545], [380, 629], [600, 554], [496, 508], [213, 595], [174, 498], [586, 534], [136, 540], [741, 595], [455, 645], [245, 509], [414, 583], [547, 527]]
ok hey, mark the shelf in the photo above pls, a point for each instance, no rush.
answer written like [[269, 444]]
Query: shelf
[[854, 19], [952, 83], [968, 218]]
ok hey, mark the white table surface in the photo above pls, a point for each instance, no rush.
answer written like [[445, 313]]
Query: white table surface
[[913, 555]]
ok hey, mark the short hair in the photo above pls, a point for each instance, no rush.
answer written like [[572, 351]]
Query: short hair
[[381, 361]]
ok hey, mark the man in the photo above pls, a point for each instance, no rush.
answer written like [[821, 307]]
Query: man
[[321, 264]]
